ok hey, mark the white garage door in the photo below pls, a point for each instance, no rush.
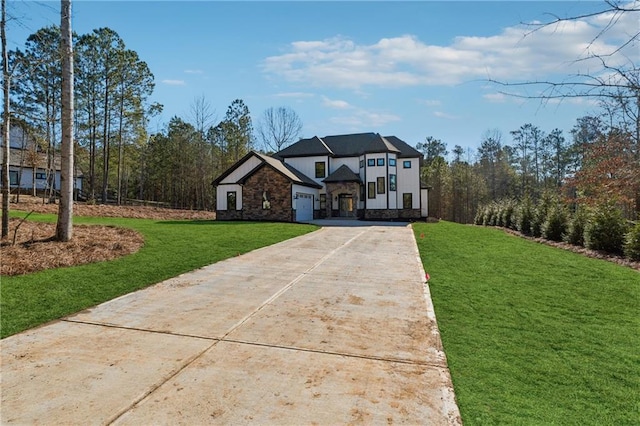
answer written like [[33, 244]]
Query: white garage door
[[304, 207]]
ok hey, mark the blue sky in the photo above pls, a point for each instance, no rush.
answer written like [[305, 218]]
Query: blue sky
[[409, 69]]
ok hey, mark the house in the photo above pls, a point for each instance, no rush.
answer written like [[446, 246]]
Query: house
[[364, 176], [29, 168]]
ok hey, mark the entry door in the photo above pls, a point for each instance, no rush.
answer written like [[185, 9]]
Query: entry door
[[346, 205]]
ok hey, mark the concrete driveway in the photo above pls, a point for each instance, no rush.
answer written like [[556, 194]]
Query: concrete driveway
[[334, 327]]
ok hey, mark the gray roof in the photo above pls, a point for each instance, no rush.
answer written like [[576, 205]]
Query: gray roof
[[343, 174], [406, 150], [288, 171], [352, 145]]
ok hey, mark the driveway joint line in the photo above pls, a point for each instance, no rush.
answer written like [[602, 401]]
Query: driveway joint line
[[342, 354], [216, 340]]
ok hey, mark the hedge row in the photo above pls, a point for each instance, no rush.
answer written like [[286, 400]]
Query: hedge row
[[602, 228]]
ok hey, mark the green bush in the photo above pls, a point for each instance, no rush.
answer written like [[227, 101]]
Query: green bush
[[555, 226], [525, 217], [632, 243], [575, 230], [507, 213], [606, 230]]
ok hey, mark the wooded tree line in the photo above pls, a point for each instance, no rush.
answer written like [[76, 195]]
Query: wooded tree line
[[598, 163], [114, 152]]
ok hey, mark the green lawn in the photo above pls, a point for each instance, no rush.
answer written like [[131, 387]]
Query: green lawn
[[533, 334], [170, 248]]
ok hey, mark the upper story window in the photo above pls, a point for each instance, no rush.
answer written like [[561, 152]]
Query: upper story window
[[361, 164], [392, 162], [406, 164], [380, 161], [321, 169], [371, 162]]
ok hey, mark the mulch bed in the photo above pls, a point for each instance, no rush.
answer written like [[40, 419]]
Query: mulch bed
[[35, 250]]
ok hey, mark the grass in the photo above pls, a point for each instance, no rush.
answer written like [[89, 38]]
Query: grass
[[171, 248], [533, 334]]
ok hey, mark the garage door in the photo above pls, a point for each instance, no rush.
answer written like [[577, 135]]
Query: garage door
[[304, 207]]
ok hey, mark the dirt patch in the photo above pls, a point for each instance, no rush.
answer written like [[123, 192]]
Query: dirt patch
[[34, 249]]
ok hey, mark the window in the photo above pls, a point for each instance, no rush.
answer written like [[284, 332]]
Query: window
[[231, 200], [371, 162], [361, 164], [323, 201], [320, 169], [381, 188], [13, 177], [41, 175], [380, 161], [392, 182], [406, 164], [407, 200], [266, 204], [371, 187], [392, 162]]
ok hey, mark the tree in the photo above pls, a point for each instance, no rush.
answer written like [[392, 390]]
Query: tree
[[6, 122], [431, 149], [279, 127], [64, 228], [233, 135]]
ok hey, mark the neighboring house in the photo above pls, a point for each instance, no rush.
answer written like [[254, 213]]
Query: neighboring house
[[363, 176], [28, 165]]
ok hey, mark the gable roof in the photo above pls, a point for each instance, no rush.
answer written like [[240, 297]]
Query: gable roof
[[406, 150], [343, 174], [286, 170], [352, 145]]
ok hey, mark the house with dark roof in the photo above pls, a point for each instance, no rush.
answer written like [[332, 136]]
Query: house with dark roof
[[364, 176]]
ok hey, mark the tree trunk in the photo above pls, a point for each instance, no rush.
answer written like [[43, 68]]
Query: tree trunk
[[64, 227], [5, 124]]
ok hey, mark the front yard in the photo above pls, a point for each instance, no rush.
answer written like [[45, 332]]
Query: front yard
[[533, 334], [170, 248]]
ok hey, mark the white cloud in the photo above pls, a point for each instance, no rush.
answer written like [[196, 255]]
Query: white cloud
[[174, 82], [335, 104], [518, 53], [193, 72], [363, 120], [444, 115], [495, 97]]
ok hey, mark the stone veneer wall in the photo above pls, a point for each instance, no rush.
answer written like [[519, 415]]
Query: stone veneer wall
[[335, 189], [278, 190], [409, 213], [228, 214], [383, 214]]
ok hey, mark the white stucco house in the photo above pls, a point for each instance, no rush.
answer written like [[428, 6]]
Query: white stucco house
[[364, 176], [29, 168]]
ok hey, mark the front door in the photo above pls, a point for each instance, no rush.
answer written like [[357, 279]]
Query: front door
[[346, 205]]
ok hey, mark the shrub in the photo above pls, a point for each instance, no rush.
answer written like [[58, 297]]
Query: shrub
[[555, 226], [525, 217], [575, 230], [632, 243], [506, 213], [606, 230]]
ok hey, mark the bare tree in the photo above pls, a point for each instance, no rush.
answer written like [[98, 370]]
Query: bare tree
[[279, 127], [202, 114], [64, 228], [6, 121]]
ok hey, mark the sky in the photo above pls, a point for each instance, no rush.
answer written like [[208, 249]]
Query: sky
[[410, 69]]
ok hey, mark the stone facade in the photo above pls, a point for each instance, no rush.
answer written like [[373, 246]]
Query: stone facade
[[409, 214], [270, 184], [229, 215], [335, 189], [381, 214]]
